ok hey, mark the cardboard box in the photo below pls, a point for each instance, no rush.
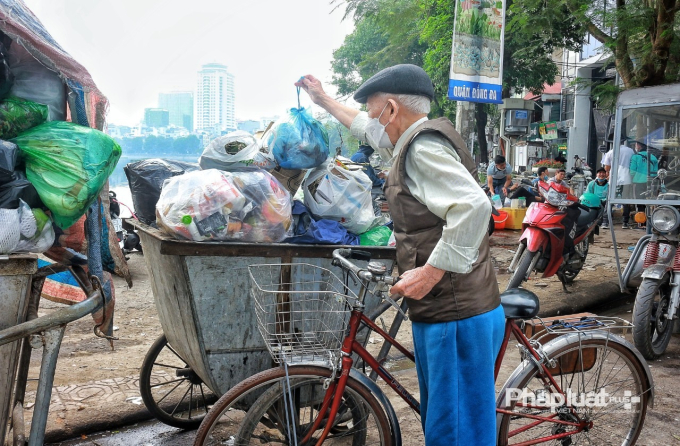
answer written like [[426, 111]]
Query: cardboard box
[[572, 361], [515, 217]]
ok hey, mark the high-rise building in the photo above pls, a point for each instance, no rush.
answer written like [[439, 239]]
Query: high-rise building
[[180, 106], [156, 117], [214, 100]]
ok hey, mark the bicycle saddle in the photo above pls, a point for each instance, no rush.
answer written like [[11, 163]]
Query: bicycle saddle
[[519, 303]]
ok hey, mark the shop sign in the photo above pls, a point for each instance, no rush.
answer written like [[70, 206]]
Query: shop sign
[[477, 54]]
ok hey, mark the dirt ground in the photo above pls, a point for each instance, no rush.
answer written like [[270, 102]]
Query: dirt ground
[[85, 358]]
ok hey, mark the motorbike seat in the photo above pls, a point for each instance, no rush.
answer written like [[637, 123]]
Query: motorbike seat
[[519, 303], [587, 216]]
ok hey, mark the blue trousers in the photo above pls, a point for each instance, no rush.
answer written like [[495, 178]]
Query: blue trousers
[[455, 365]]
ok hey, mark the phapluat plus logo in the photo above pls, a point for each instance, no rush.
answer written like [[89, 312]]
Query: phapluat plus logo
[[555, 401]]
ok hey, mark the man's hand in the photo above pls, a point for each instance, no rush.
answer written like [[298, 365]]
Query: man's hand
[[505, 191], [416, 283], [313, 87]]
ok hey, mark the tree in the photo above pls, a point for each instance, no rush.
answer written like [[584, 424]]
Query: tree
[[534, 31], [642, 36]]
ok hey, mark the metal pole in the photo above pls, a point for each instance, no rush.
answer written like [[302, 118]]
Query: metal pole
[[51, 341]]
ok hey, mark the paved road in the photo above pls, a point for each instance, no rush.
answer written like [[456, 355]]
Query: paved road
[[662, 426]]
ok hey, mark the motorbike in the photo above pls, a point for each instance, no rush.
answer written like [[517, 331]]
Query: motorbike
[[129, 240], [541, 245], [658, 295]]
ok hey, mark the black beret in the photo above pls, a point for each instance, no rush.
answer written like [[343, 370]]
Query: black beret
[[399, 79]]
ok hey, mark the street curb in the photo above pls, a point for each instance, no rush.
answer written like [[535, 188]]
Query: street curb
[[100, 424], [584, 299]]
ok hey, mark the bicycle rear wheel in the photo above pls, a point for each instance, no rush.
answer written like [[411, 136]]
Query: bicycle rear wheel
[[604, 384], [252, 412]]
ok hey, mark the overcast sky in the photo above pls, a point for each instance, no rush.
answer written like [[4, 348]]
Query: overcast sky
[[135, 49]]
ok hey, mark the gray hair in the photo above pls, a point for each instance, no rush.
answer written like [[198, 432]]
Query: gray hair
[[414, 103]]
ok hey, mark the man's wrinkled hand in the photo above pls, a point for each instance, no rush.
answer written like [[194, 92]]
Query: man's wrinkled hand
[[416, 283], [313, 87]]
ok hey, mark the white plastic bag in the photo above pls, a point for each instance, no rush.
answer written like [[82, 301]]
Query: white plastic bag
[[25, 230], [35, 82], [335, 193], [233, 151], [209, 204]]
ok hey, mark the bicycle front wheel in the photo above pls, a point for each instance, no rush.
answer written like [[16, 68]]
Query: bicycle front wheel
[[254, 412], [603, 401]]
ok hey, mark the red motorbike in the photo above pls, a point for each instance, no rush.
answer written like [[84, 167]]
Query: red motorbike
[[542, 244]]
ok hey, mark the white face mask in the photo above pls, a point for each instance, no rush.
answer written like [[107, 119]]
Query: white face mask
[[378, 138]]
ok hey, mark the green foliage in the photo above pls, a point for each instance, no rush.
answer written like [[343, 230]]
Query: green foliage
[[641, 35]]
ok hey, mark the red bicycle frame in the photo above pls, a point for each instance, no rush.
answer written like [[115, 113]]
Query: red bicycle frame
[[351, 345]]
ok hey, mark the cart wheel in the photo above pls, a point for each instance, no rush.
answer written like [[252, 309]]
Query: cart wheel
[[171, 391]]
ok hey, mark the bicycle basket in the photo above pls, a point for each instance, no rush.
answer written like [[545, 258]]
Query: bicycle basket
[[303, 319]]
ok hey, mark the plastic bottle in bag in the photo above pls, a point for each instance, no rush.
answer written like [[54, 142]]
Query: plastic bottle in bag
[[497, 201]]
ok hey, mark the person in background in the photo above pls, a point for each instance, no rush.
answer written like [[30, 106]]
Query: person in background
[[560, 158], [572, 212], [600, 187], [643, 167], [559, 179], [624, 183], [447, 274], [530, 195], [578, 164], [499, 177]]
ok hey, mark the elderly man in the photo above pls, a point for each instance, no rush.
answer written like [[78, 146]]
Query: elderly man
[[446, 272]]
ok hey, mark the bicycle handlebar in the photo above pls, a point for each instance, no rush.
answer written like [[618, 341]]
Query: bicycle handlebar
[[60, 317], [343, 254]]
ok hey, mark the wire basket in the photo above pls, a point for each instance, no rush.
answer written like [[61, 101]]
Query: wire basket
[[303, 319]]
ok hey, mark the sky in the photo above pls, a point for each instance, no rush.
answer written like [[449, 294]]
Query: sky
[[135, 49]]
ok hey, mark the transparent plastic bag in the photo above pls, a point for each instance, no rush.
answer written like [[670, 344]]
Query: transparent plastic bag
[[25, 230], [18, 115], [68, 164], [298, 141], [233, 151], [213, 205], [35, 82], [335, 193]]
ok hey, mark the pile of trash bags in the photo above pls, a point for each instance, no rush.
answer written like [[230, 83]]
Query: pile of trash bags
[[243, 189], [250, 205], [50, 171]]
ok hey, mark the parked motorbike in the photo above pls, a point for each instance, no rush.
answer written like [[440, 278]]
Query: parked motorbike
[[129, 240], [658, 296], [541, 245]]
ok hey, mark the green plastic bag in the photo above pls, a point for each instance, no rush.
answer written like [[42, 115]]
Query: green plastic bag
[[18, 115], [68, 165], [375, 237]]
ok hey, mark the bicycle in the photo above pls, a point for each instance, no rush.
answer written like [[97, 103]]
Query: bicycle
[[326, 400]]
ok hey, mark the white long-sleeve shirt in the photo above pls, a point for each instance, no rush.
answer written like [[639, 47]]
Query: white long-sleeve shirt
[[437, 179]]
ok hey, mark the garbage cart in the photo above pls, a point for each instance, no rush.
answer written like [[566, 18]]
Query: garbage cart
[[201, 292]]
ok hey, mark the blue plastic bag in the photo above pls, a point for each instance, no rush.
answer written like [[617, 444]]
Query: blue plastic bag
[[298, 141]]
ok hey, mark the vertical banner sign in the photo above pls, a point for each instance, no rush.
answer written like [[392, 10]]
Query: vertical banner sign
[[477, 55]]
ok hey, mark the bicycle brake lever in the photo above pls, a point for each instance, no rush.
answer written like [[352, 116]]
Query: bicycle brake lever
[[394, 303]]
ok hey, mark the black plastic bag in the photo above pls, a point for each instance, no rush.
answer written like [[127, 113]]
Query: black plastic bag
[[9, 153], [146, 179], [6, 75], [19, 189]]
